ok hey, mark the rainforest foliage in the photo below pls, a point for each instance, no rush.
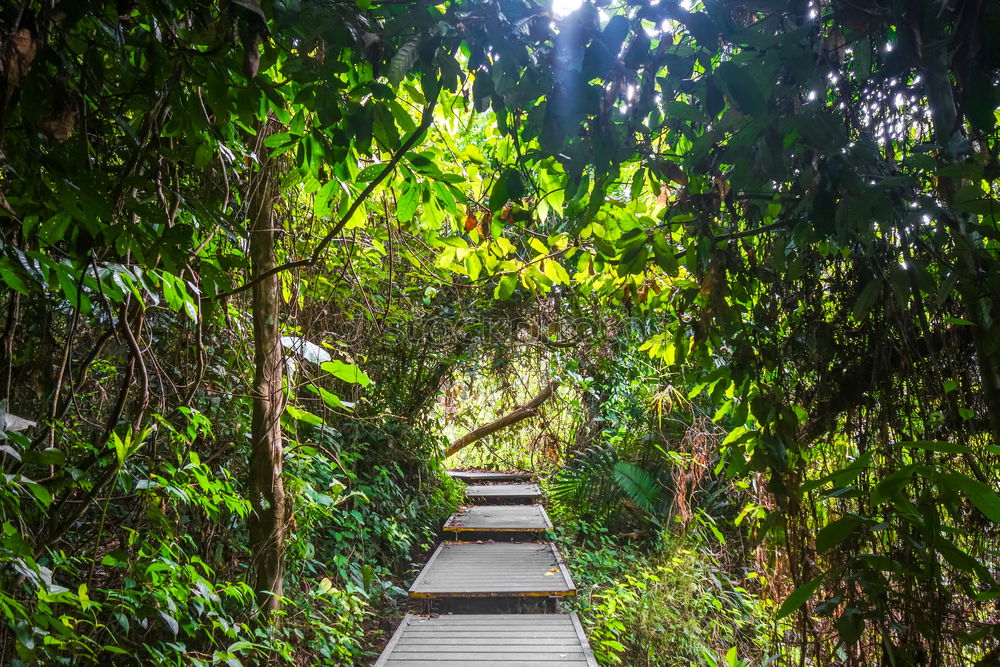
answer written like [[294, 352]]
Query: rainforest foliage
[[261, 260]]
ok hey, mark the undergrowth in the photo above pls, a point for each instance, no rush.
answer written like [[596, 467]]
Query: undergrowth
[[660, 603], [166, 585]]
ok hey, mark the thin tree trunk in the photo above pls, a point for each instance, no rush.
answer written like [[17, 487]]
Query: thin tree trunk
[[267, 491], [978, 300], [520, 413]]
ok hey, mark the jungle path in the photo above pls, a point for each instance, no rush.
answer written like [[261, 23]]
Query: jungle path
[[497, 562]]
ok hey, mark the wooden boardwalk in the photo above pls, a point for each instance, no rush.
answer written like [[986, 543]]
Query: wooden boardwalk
[[489, 640], [525, 493], [498, 519], [529, 569], [483, 573], [471, 477]]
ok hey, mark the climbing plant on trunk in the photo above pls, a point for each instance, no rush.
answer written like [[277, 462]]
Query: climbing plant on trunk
[[266, 487]]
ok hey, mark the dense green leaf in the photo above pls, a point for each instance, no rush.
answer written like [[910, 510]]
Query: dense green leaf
[[938, 446], [303, 415], [836, 532], [866, 300], [346, 372], [980, 494], [743, 89], [799, 597], [403, 60], [406, 206]]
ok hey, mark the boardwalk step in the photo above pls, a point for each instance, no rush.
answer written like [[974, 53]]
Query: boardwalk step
[[493, 570], [476, 576], [504, 492], [491, 476], [499, 519], [494, 640]]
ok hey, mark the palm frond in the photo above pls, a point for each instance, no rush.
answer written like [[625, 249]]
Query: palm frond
[[587, 482], [638, 486]]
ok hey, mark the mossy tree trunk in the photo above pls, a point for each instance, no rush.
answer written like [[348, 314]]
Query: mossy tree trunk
[[266, 486]]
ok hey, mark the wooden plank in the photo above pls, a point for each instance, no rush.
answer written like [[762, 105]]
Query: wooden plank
[[499, 518], [584, 642], [393, 641], [491, 476], [453, 642], [504, 491], [477, 660], [459, 662], [529, 569], [423, 573], [495, 640]]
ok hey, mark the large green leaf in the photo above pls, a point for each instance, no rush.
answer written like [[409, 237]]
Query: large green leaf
[[346, 372], [837, 532], [978, 493], [302, 415], [509, 187], [799, 597], [867, 298], [938, 446], [743, 89], [403, 60], [406, 206]]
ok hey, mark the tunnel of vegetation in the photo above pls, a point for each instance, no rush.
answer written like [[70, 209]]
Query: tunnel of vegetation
[[262, 261]]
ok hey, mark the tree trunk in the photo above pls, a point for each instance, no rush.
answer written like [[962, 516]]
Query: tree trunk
[[980, 302], [520, 413], [266, 487]]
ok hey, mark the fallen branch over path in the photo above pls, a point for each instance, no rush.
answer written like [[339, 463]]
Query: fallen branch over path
[[520, 413]]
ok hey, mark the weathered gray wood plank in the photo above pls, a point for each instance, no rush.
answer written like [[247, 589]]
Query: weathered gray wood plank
[[496, 640], [491, 476], [436, 662], [504, 491], [494, 570], [499, 518]]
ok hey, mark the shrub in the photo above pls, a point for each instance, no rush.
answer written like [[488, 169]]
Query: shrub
[[659, 605]]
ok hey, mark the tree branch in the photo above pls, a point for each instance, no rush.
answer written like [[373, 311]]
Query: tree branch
[[425, 122], [520, 413]]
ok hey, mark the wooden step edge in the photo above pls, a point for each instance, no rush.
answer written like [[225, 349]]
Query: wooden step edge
[[450, 527], [569, 591], [397, 635]]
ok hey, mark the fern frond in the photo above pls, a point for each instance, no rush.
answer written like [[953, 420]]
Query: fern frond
[[639, 486], [587, 482]]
